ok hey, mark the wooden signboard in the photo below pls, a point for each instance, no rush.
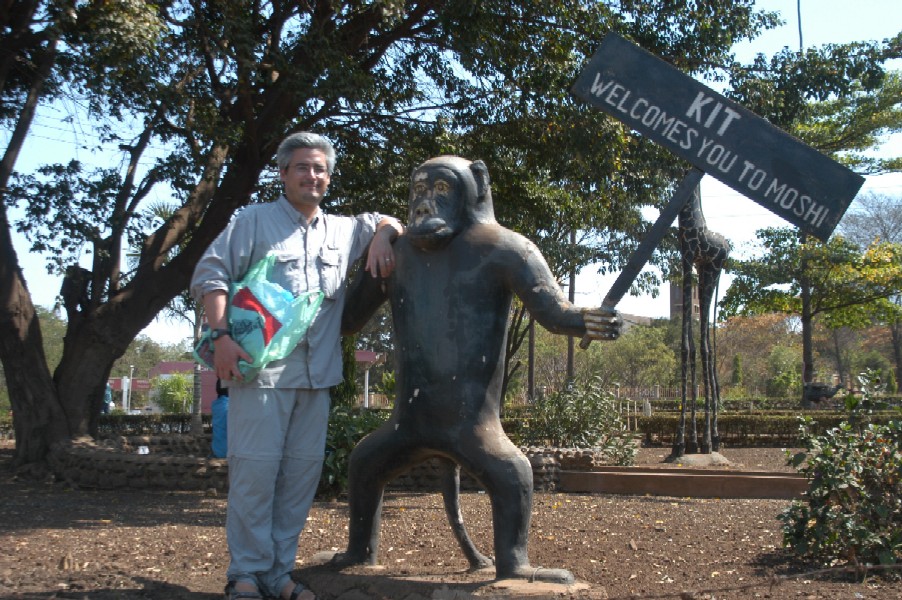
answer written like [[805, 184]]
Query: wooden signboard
[[718, 136]]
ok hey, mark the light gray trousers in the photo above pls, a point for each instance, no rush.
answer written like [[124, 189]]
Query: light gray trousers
[[276, 440]]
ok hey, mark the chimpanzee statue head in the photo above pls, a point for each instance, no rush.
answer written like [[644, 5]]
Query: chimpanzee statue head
[[447, 194]]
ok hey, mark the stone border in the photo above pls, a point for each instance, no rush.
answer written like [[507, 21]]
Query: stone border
[[176, 462], [181, 462]]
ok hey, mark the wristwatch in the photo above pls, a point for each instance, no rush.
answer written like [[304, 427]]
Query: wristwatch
[[215, 334]]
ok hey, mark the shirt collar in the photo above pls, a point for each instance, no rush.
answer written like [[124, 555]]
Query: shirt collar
[[292, 213]]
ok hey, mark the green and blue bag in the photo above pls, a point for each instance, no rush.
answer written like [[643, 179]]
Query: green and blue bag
[[265, 319]]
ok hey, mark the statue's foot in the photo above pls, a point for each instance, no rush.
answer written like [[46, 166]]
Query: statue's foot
[[531, 573], [342, 560]]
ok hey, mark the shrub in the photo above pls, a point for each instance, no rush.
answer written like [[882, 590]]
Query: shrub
[[174, 393], [582, 416], [347, 426], [853, 510]]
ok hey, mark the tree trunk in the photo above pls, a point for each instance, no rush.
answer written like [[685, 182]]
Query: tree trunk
[[837, 352], [807, 335], [38, 419], [197, 419]]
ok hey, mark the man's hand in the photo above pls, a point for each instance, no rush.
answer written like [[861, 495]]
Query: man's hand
[[380, 259], [226, 353], [602, 323]]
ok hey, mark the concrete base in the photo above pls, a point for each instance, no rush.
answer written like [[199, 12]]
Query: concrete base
[[713, 459], [694, 483], [370, 582]]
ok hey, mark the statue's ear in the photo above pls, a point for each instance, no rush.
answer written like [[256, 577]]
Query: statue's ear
[[481, 176]]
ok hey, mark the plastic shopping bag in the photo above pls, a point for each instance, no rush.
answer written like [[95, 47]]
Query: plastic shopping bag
[[265, 319]]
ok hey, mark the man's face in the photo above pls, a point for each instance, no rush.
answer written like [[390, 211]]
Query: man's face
[[306, 178]]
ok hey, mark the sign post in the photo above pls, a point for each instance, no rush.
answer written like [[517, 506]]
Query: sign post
[[718, 137], [649, 243]]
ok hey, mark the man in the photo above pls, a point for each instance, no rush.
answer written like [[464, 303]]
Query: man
[[277, 421]]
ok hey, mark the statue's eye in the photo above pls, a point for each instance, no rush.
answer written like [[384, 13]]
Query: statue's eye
[[420, 188], [441, 187]]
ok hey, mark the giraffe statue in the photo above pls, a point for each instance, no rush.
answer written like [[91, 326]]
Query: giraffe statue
[[707, 251]]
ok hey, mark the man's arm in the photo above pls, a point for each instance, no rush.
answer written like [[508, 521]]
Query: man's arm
[[226, 350]]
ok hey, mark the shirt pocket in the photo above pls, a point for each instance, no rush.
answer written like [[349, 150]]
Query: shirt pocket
[[330, 271], [288, 271]]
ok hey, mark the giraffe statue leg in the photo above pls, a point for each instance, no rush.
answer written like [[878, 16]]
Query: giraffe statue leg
[[705, 293], [679, 446]]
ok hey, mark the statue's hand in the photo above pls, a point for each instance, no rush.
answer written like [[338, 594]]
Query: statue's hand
[[602, 323]]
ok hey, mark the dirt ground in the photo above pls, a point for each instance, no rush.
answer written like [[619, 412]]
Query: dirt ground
[[63, 543]]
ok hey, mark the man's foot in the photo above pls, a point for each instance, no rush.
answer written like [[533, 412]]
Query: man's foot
[[242, 590], [296, 591]]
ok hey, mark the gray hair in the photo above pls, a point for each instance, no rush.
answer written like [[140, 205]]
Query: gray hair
[[305, 139]]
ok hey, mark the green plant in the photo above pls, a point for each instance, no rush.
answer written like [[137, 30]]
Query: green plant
[[347, 426], [346, 392], [892, 386], [584, 415], [174, 393], [387, 385], [737, 375], [853, 510]]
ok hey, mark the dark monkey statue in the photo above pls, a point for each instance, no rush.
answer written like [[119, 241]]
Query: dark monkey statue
[[450, 293]]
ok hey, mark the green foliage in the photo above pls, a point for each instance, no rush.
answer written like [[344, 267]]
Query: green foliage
[[387, 385], [784, 379], [736, 376], [751, 428], [347, 426], [834, 97], [853, 510], [346, 392], [144, 353], [845, 281], [581, 416], [174, 393], [892, 386], [641, 357]]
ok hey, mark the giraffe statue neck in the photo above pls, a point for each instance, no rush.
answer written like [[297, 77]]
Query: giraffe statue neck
[[691, 215]]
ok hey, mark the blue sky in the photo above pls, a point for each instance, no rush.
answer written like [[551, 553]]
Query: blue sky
[[727, 212]]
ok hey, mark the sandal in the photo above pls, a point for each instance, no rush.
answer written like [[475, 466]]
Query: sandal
[[299, 588], [232, 594]]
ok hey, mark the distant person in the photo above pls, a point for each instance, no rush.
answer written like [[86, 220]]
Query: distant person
[[107, 406], [220, 421]]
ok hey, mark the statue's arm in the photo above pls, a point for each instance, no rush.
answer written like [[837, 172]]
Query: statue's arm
[[534, 283], [364, 296]]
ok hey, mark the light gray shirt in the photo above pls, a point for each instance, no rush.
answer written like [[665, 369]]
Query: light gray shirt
[[309, 257]]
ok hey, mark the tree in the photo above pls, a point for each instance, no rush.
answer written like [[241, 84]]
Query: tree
[[838, 100], [211, 87], [640, 358], [846, 285], [220, 83], [751, 338], [879, 217], [737, 376]]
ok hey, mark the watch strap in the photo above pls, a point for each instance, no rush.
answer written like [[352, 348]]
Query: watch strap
[[215, 334]]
